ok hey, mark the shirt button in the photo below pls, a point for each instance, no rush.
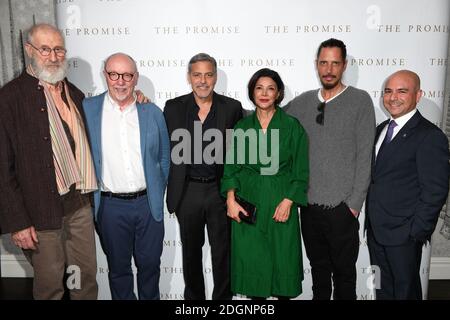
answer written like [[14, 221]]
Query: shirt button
[[45, 138], [39, 87], [48, 165], [43, 109]]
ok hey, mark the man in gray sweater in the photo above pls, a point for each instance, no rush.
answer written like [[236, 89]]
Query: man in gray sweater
[[340, 123]]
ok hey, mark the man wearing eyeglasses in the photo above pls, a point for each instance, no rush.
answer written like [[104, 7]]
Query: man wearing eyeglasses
[[130, 147], [340, 123], [47, 172]]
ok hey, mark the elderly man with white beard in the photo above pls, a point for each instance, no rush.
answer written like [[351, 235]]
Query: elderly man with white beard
[[46, 171]]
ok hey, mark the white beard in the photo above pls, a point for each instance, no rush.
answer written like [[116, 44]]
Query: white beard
[[51, 77]]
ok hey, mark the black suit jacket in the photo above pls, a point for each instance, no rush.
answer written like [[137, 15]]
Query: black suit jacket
[[228, 111], [28, 191], [410, 181]]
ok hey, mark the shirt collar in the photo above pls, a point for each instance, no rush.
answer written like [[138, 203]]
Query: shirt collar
[[274, 122], [194, 108], [112, 105], [319, 95], [401, 121], [54, 88]]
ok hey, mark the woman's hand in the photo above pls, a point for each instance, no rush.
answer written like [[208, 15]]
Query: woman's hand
[[283, 210], [233, 208]]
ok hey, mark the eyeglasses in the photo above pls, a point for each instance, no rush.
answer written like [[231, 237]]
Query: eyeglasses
[[321, 116], [114, 76], [46, 51]]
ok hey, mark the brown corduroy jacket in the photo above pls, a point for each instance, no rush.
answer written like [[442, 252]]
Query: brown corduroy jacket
[[28, 191]]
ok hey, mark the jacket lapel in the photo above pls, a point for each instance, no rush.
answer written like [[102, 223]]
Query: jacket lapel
[[186, 109], [400, 138], [97, 121], [380, 128], [220, 112], [143, 123]]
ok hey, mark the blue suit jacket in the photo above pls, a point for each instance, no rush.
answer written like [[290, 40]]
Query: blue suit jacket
[[155, 149], [410, 181]]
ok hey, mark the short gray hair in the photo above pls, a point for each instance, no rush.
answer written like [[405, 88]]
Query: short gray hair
[[202, 57], [121, 54], [41, 26]]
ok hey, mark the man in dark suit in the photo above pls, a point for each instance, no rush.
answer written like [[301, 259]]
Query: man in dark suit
[[410, 181], [46, 170], [195, 173]]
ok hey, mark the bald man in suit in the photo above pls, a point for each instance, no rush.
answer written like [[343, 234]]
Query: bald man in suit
[[409, 186]]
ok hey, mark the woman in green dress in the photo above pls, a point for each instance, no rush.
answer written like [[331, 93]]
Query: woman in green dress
[[271, 172]]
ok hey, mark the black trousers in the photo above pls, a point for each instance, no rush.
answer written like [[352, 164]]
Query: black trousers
[[399, 269], [331, 241], [203, 206]]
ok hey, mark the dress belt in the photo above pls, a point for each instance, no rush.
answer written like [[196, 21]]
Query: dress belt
[[125, 196], [202, 179]]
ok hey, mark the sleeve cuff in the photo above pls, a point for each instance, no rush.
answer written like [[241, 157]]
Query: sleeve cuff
[[355, 205], [300, 198], [228, 184]]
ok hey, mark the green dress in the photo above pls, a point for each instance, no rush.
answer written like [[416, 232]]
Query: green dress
[[266, 258]]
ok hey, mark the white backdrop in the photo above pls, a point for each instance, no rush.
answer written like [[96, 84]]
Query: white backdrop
[[382, 36]]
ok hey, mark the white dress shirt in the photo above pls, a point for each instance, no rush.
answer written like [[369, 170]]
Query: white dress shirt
[[123, 171], [400, 121]]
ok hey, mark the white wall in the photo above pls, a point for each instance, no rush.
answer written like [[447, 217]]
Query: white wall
[[382, 36]]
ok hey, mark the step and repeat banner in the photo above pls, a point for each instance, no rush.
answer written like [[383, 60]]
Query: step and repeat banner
[[382, 36]]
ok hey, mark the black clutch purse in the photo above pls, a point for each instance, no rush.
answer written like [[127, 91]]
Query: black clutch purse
[[249, 207]]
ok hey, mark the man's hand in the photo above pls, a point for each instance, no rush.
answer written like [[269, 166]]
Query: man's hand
[[354, 212], [25, 239], [141, 98]]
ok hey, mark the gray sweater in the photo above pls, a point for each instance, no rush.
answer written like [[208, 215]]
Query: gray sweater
[[340, 151]]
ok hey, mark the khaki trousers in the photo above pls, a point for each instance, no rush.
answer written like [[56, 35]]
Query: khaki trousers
[[72, 246]]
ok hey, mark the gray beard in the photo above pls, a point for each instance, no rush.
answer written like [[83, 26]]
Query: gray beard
[[47, 76]]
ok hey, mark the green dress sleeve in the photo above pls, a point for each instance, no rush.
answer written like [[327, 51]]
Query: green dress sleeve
[[298, 179], [231, 169]]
